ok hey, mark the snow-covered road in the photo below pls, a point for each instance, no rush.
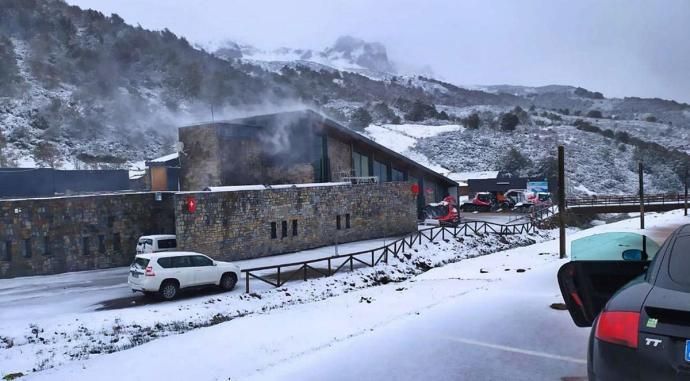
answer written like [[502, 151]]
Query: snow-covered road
[[453, 322]]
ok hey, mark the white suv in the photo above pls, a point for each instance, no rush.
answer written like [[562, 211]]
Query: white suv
[[166, 273]]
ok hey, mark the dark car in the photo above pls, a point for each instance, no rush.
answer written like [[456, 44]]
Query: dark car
[[636, 298]]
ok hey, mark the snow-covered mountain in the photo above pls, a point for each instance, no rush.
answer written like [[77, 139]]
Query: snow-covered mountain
[[347, 54]]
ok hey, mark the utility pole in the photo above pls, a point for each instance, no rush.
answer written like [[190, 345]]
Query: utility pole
[[561, 200], [685, 202], [639, 168]]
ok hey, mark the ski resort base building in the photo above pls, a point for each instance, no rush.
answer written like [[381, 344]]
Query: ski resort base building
[[251, 188]]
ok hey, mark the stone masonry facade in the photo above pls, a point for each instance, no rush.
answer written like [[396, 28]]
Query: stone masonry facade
[[249, 224], [61, 234]]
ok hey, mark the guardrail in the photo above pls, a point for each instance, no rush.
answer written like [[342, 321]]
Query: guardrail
[[336, 263], [624, 200]]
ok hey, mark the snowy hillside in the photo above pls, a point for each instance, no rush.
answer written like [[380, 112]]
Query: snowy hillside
[[85, 90]]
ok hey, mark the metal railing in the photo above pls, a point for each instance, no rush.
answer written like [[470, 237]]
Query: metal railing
[[623, 200], [332, 264]]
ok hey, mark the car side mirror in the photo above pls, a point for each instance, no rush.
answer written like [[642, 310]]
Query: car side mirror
[[215, 263], [634, 255]]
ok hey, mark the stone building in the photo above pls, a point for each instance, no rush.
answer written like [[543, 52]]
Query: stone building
[[293, 148], [239, 223]]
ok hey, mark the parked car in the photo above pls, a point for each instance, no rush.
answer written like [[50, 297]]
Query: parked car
[[636, 296], [166, 273], [156, 243]]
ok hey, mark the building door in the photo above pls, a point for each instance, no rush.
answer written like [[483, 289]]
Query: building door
[[159, 179]]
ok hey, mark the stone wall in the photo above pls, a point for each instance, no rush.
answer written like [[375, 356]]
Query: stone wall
[[249, 224], [54, 235]]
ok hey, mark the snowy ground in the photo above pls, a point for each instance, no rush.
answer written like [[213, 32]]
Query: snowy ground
[[452, 322], [402, 138]]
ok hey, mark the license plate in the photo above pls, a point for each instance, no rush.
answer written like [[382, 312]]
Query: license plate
[[687, 350]]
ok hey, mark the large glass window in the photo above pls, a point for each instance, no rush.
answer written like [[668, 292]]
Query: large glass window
[[397, 175], [361, 164], [381, 171]]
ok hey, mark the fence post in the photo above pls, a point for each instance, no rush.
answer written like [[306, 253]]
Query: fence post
[[305, 271], [561, 200], [639, 168], [278, 277], [329, 267], [246, 287], [372, 258]]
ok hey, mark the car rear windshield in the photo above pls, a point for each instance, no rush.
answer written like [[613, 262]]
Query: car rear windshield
[[145, 241], [680, 262], [140, 262], [610, 246]]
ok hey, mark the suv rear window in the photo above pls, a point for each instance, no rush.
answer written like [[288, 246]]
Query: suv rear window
[[183, 261], [680, 261], [198, 260], [167, 243], [140, 262], [165, 263]]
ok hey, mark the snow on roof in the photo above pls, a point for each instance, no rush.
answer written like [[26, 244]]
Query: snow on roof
[[165, 158], [237, 188], [137, 170], [136, 174], [464, 176]]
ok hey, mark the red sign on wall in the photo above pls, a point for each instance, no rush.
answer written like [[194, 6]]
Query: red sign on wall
[[415, 189], [191, 204]]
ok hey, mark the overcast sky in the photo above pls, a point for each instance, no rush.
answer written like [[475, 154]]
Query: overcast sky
[[618, 47]]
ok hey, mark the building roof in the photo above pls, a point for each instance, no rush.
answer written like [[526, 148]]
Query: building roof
[[259, 120], [165, 158], [464, 176], [170, 160]]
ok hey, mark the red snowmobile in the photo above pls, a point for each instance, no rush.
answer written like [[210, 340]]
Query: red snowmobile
[[482, 202], [445, 212]]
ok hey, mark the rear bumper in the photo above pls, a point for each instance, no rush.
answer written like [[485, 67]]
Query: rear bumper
[[615, 362], [144, 285]]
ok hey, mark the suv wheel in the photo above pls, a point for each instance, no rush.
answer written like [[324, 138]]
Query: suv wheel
[[168, 290], [228, 281]]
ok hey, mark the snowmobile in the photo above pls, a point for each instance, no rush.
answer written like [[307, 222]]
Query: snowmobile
[[482, 202], [445, 212]]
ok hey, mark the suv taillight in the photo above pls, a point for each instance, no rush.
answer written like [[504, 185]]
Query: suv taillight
[[149, 271], [618, 327]]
